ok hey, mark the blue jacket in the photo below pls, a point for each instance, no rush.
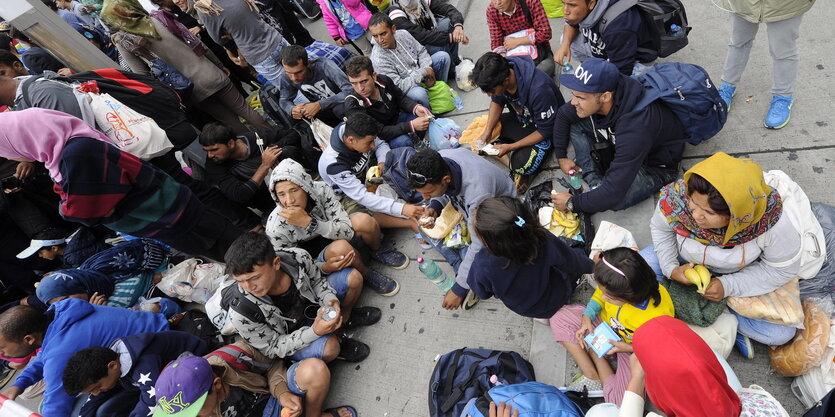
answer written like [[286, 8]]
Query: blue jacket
[[623, 36], [537, 92], [77, 324], [536, 290], [651, 137], [144, 355]]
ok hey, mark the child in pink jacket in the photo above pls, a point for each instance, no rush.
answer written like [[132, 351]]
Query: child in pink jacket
[[347, 21]]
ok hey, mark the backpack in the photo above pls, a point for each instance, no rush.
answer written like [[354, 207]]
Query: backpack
[[659, 15], [269, 96], [823, 408], [464, 374], [240, 360], [396, 175], [690, 93], [532, 399], [197, 323]]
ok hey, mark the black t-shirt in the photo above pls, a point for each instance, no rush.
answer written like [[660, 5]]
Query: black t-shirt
[[293, 306], [243, 403]]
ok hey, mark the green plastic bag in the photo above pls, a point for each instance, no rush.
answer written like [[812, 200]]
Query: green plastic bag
[[440, 99], [553, 8]]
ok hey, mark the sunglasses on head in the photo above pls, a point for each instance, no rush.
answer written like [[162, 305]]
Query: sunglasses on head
[[419, 180]]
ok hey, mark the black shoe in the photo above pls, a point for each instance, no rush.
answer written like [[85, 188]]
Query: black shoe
[[363, 316], [353, 350]]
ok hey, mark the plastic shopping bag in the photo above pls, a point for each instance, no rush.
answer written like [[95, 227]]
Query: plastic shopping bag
[[132, 132], [443, 133]]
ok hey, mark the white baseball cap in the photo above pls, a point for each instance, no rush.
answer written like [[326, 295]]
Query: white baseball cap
[[36, 244]]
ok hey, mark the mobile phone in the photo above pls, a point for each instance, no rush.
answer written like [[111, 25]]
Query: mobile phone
[[10, 183]]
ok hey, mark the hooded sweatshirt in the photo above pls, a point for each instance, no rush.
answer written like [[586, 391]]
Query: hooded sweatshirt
[[474, 180], [76, 325], [650, 137], [537, 97], [328, 85], [344, 170], [142, 357], [403, 64], [393, 101], [535, 290], [332, 220], [423, 24], [623, 37]]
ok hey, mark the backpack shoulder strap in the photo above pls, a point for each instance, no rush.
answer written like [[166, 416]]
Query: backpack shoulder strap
[[24, 89], [238, 359], [614, 11], [233, 299], [527, 11]]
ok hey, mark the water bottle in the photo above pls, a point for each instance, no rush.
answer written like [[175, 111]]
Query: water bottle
[[494, 379], [676, 30], [459, 104], [329, 314], [574, 180], [567, 68], [432, 271]]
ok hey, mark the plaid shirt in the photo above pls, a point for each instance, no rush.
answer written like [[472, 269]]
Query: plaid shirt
[[501, 25], [337, 54]]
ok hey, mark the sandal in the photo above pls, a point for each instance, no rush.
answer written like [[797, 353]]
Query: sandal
[[424, 245], [335, 411], [352, 350]]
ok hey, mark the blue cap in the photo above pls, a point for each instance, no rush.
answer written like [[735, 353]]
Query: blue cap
[[594, 75]]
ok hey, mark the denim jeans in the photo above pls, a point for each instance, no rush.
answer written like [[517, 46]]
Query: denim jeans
[[441, 62], [271, 67], [419, 94], [453, 256], [403, 140], [443, 25], [647, 181]]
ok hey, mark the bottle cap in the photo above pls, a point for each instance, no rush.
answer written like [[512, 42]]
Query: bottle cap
[[572, 172], [420, 260], [494, 379]]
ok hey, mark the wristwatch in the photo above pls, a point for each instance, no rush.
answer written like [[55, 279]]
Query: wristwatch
[[569, 205], [312, 226]]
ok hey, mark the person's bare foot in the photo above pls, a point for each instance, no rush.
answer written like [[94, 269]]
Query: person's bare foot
[[344, 411]]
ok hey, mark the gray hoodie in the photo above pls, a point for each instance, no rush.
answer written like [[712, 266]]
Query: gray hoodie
[[403, 64], [323, 205]]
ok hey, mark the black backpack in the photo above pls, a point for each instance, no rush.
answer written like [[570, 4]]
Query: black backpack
[[824, 408], [198, 324], [660, 15]]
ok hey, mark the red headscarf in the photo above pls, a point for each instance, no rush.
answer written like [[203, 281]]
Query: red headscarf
[[683, 376]]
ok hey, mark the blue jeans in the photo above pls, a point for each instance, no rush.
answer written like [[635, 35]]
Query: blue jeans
[[647, 181], [762, 331], [419, 94], [453, 256], [441, 62], [403, 140], [450, 48], [271, 67]]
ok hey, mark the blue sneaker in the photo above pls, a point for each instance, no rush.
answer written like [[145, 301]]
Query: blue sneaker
[[391, 257], [743, 343], [780, 112], [727, 92], [381, 284]]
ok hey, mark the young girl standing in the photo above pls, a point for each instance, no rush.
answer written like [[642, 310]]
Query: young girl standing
[[627, 296]]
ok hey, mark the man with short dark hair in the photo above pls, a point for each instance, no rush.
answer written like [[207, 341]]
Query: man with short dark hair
[[398, 55], [464, 179], [320, 81], [68, 326], [238, 164], [436, 24], [379, 97], [532, 98], [626, 40], [624, 154]]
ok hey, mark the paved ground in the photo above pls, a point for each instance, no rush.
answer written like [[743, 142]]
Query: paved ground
[[393, 381]]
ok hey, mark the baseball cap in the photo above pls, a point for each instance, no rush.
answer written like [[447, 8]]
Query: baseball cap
[[182, 387], [36, 244], [594, 75]]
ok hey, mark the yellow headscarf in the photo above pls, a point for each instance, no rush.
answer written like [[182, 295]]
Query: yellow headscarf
[[129, 16], [741, 184]]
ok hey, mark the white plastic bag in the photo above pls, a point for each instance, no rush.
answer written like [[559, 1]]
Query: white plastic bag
[[462, 75], [218, 316], [443, 133], [810, 387], [128, 130], [321, 132], [193, 281], [610, 236]]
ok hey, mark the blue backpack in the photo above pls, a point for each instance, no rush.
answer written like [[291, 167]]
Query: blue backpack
[[690, 94], [464, 374], [532, 399], [396, 175]]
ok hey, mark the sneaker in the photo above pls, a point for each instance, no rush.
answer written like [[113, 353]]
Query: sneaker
[[363, 316], [381, 284], [743, 343], [351, 350], [582, 382], [469, 301], [727, 92], [391, 257], [780, 112]]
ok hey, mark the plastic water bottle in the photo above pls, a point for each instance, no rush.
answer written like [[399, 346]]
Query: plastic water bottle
[[494, 379], [676, 30], [329, 314], [567, 68], [459, 104], [432, 271], [574, 180]]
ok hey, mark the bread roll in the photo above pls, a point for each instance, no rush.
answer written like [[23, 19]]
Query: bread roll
[[444, 223], [808, 346]]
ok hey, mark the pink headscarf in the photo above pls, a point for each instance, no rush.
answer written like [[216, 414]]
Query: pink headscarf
[[40, 135]]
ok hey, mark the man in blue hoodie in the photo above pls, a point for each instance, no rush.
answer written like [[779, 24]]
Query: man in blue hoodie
[[625, 155], [626, 40], [67, 327], [126, 371], [532, 98]]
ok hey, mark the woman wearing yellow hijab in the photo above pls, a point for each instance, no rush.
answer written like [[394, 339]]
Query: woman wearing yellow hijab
[[724, 216]]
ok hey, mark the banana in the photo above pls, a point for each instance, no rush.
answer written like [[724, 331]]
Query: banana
[[693, 277], [704, 276]]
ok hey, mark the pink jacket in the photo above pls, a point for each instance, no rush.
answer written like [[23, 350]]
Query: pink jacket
[[355, 8]]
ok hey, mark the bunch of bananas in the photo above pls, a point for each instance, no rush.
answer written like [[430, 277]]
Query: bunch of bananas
[[698, 275], [564, 224]]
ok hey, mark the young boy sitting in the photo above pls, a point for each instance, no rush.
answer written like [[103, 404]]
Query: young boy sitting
[[122, 377], [279, 303], [308, 215]]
